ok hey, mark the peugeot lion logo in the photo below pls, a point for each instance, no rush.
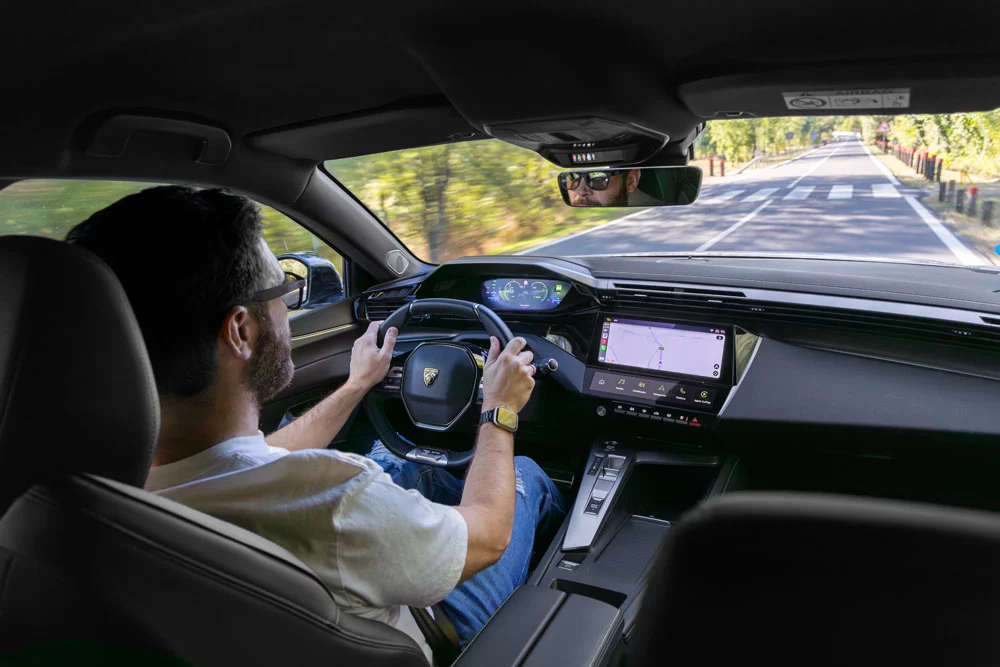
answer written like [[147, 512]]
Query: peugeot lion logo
[[430, 376]]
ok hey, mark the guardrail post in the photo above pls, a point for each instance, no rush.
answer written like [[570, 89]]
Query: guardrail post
[[973, 199], [960, 201], [988, 213], [722, 166], [943, 192]]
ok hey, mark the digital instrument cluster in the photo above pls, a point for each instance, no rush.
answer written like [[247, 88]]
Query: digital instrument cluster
[[535, 294]]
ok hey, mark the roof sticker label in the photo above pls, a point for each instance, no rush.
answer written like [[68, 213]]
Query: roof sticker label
[[859, 98]]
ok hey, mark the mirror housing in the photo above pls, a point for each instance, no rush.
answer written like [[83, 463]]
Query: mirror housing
[[324, 284], [636, 186]]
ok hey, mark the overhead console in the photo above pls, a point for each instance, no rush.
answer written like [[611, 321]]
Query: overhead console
[[573, 142]]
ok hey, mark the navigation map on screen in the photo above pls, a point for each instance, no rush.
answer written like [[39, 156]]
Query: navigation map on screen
[[664, 347]]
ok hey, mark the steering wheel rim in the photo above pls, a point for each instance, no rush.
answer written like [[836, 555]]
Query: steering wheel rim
[[374, 400]]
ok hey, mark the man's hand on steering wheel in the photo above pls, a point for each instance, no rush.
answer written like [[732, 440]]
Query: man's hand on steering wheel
[[369, 363], [508, 376]]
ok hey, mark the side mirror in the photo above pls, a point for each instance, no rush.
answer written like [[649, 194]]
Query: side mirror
[[324, 284]]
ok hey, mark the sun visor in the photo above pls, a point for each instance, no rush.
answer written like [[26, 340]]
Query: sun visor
[[395, 127], [875, 89]]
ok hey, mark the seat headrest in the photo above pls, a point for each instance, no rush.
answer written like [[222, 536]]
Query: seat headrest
[[810, 579], [77, 392]]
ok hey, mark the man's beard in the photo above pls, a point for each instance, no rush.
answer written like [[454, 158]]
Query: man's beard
[[622, 198], [270, 369]]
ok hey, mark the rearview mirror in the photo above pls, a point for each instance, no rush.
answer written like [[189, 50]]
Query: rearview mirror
[[636, 186]]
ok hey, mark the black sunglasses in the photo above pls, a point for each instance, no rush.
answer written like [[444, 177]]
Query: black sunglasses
[[291, 290], [596, 180]]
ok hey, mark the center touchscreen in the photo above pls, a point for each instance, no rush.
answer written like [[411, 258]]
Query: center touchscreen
[[663, 347]]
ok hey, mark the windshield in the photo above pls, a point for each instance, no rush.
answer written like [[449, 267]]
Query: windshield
[[909, 188]]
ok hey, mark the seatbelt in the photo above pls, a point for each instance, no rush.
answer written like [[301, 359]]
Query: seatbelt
[[439, 633]]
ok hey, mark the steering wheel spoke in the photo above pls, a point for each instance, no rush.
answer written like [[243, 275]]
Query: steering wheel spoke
[[438, 381]]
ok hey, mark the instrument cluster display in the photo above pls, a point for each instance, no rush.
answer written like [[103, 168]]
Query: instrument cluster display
[[524, 293]]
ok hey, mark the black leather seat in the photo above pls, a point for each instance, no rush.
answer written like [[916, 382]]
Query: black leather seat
[[802, 579], [90, 565]]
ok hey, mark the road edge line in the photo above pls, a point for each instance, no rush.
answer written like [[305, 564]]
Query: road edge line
[[583, 233], [959, 249], [881, 167], [722, 235]]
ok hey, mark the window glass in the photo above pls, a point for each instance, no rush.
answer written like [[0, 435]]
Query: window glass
[[50, 208]]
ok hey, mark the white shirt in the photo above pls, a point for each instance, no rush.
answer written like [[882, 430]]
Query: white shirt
[[374, 544]]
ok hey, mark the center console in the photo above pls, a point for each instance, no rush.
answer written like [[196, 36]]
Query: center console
[[627, 500]]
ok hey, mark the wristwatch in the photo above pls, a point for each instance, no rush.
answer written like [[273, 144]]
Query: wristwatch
[[502, 417]]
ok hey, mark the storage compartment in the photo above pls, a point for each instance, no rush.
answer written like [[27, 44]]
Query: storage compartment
[[538, 627], [666, 491], [613, 598]]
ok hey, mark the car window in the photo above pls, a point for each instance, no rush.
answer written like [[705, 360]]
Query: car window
[[50, 208]]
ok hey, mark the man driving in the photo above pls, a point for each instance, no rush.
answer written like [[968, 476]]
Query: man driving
[[383, 533], [600, 188]]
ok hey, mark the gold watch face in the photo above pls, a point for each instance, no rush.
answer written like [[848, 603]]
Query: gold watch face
[[506, 419]]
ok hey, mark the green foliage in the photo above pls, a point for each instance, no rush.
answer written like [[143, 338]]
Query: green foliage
[[51, 208], [966, 140], [467, 198]]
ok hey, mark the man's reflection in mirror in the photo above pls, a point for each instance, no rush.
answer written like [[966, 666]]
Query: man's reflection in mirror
[[600, 188]]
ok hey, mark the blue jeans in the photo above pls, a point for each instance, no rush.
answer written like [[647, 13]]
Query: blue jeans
[[538, 508]]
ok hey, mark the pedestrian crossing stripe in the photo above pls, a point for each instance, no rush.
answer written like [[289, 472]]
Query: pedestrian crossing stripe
[[761, 194], [803, 192], [800, 192]]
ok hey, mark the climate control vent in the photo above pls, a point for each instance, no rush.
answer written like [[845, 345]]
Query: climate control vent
[[379, 304], [657, 296], [867, 317]]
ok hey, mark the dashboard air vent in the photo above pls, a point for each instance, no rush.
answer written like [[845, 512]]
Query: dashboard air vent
[[656, 296], [662, 299], [379, 304]]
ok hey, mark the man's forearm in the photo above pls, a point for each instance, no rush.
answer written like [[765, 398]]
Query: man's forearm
[[317, 427], [488, 499]]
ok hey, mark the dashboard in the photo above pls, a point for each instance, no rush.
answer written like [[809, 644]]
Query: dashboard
[[524, 293], [720, 354]]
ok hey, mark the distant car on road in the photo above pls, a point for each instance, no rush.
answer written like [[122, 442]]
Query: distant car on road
[[846, 136]]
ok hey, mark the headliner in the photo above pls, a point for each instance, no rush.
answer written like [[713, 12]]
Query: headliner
[[361, 77]]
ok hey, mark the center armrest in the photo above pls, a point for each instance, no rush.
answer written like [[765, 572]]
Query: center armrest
[[541, 626]]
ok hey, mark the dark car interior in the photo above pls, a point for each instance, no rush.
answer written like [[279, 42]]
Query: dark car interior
[[821, 489]]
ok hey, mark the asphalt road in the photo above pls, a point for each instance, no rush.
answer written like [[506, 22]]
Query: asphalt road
[[837, 199]]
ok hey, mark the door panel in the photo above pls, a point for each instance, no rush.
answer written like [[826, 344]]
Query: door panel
[[322, 361]]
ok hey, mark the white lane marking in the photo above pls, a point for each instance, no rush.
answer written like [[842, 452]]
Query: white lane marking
[[761, 194], [885, 191], [881, 167], [800, 192], [841, 192], [816, 166], [745, 219], [723, 198], [964, 255], [584, 232]]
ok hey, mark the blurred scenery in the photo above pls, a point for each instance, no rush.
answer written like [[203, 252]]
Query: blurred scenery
[[488, 197], [51, 208]]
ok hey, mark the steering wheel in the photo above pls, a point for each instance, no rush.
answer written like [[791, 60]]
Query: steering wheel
[[439, 381]]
